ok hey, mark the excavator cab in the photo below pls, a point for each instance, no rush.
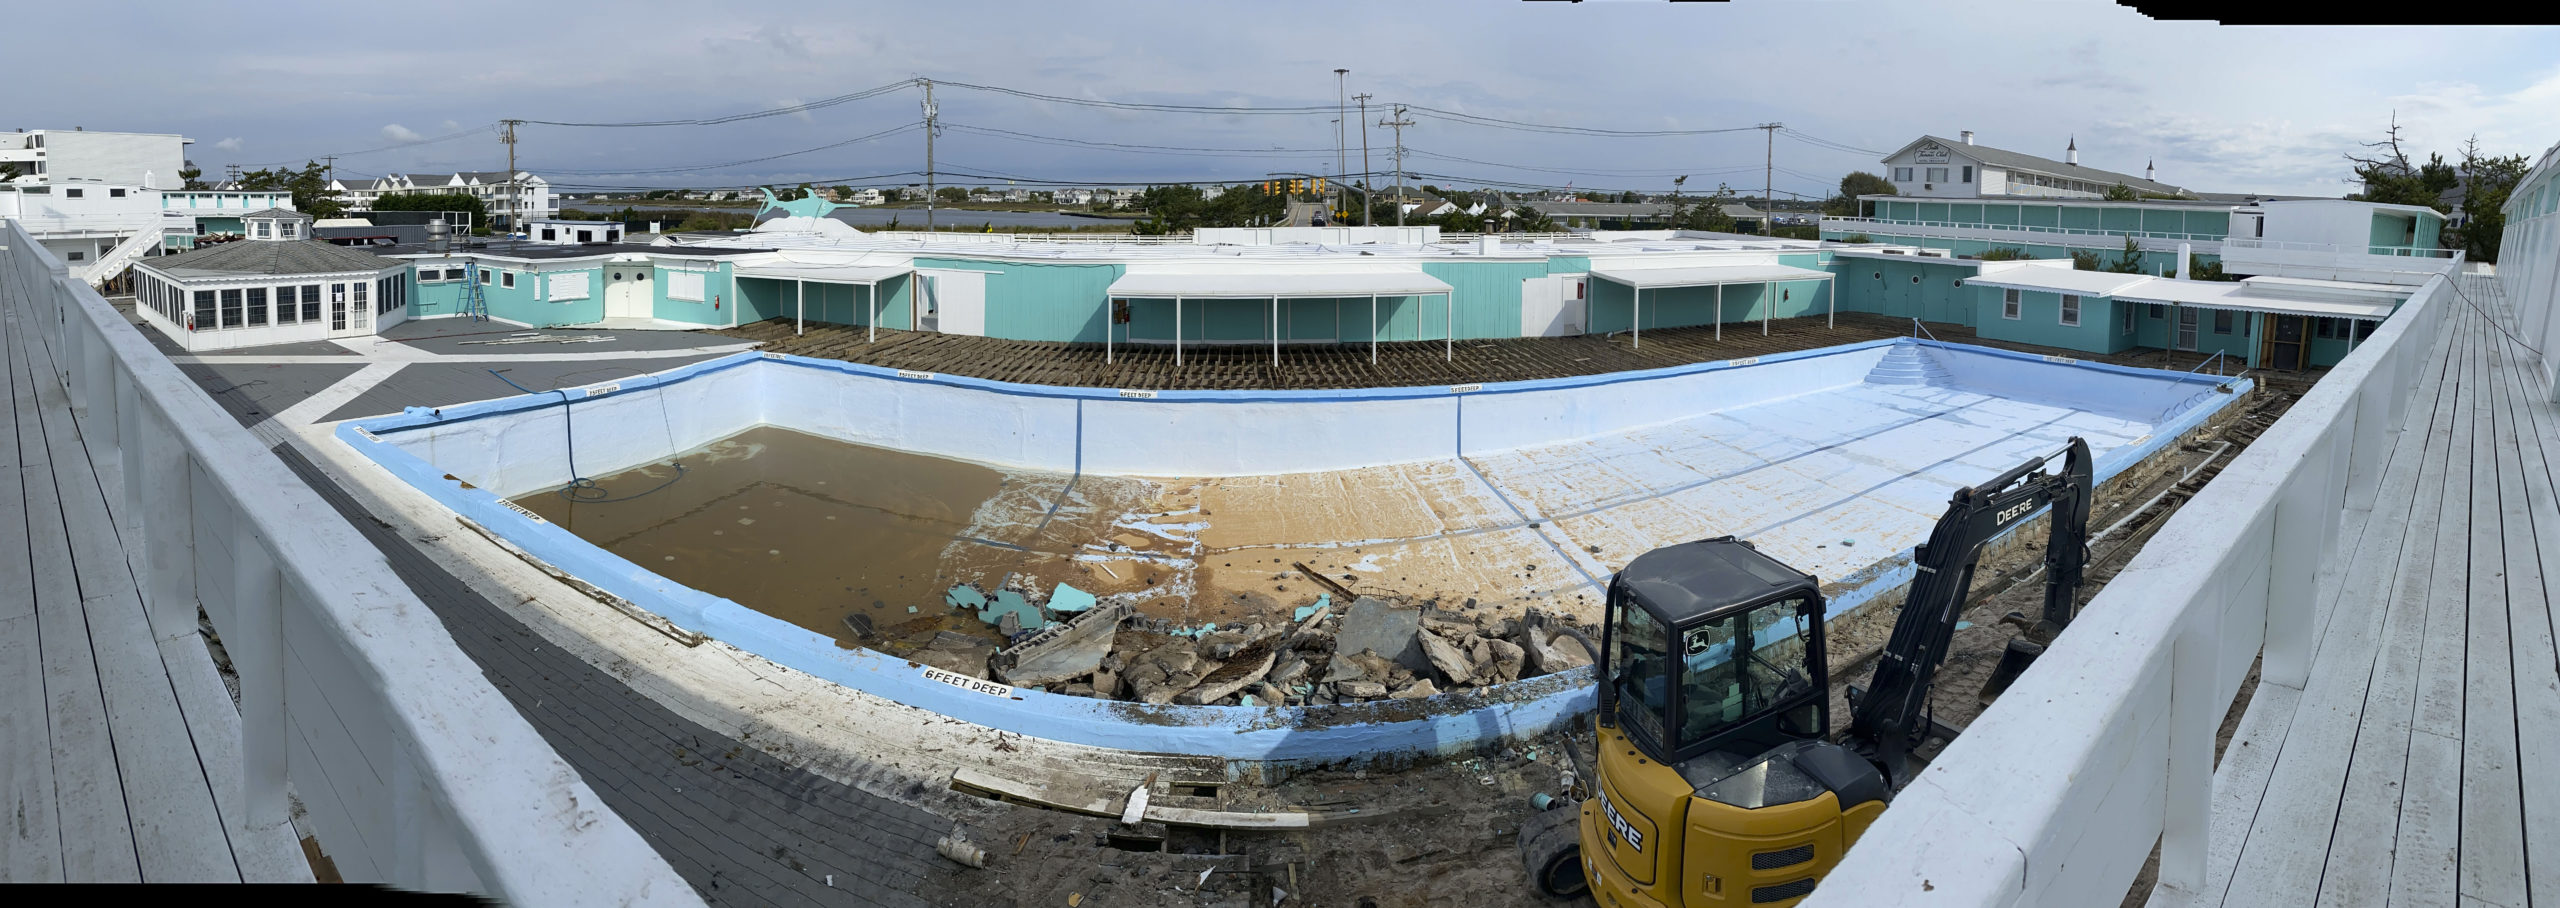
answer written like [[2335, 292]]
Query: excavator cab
[[1715, 777]]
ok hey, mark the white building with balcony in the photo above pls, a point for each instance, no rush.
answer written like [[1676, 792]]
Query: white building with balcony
[[511, 199], [1935, 168]]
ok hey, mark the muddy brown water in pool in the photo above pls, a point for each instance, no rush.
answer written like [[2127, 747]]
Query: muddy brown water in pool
[[803, 528]]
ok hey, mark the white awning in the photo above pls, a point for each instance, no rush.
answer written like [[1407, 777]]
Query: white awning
[[1268, 284], [2051, 279], [2236, 297], [1708, 276], [827, 274]]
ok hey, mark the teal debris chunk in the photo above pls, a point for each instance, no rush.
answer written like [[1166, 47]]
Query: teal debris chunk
[[1321, 602], [964, 596], [1244, 699], [1069, 599], [1008, 602]]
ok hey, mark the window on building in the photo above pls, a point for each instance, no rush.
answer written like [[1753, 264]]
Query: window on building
[[550, 234], [2156, 311], [2222, 321], [262, 230], [286, 229], [311, 302], [257, 305], [287, 311], [2324, 327], [115, 193], [1968, 174], [1902, 174], [2364, 329], [76, 255], [1937, 174], [231, 308], [484, 277], [586, 236], [507, 280], [2070, 310], [72, 193], [2127, 309], [2009, 303], [200, 231], [204, 310]]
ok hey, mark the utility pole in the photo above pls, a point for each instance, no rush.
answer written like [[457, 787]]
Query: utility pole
[[1768, 165], [1399, 123], [930, 113], [1339, 165], [233, 170], [333, 166], [1363, 98], [515, 188]]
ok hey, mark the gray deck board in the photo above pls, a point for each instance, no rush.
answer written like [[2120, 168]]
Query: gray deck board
[[2405, 772]]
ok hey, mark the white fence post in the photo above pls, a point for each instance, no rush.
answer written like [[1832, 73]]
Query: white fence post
[[168, 525], [129, 422], [2304, 521], [2186, 816], [255, 639]]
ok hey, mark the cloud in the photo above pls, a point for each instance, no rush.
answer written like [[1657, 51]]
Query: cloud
[[452, 126], [398, 133], [230, 144]]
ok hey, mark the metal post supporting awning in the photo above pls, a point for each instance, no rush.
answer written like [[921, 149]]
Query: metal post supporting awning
[[1276, 285], [1768, 276]]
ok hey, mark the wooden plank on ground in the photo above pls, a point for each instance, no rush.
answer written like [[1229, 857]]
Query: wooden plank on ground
[[96, 836], [31, 842], [2532, 540], [2492, 819], [2427, 852], [265, 848], [177, 834], [2281, 860]]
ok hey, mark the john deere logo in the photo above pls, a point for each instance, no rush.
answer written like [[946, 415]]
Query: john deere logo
[[1625, 829]]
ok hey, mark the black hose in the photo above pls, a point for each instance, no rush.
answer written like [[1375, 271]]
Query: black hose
[[581, 489]]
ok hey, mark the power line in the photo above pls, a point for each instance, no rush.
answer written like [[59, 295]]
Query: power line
[[1500, 123], [1136, 105], [1819, 142], [820, 104], [691, 168], [1120, 146]]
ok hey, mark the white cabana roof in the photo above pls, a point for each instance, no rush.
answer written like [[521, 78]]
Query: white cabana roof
[[1706, 276], [2235, 296], [831, 274], [1276, 283], [2058, 280]]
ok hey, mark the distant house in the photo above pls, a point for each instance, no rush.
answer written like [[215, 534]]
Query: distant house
[[1077, 197], [509, 198]]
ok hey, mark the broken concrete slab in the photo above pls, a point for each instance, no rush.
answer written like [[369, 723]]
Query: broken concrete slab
[[956, 653], [1360, 689], [1249, 667], [1548, 653], [1064, 651], [1354, 666], [1448, 658], [1379, 626], [1416, 690]]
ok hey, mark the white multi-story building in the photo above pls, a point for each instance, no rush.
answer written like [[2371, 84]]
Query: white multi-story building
[[511, 199], [1935, 168], [149, 160]]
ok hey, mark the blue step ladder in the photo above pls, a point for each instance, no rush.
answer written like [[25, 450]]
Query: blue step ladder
[[474, 305]]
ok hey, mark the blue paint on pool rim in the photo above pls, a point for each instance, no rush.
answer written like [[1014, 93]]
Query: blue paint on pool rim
[[1328, 735]]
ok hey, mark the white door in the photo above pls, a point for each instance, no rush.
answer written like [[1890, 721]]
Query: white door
[[952, 302], [627, 291], [349, 306], [1552, 306]]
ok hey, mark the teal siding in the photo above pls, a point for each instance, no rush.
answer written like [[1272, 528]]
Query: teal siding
[[1304, 320], [816, 302], [1677, 307], [2209, 223], [2392, 230], [712, 309], [1885, 287], [1487, 294], [1568, 264], [2430, 232], [1033, 300], [2039, 321]]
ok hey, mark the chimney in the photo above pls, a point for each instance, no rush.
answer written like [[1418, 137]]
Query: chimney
[[2183, 260], [1967, 135], [2071, 155]]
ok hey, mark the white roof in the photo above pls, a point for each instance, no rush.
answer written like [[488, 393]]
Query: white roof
[[2058, 280], [2240, 297], [1709, 275], [1289, 283], [833, 274]]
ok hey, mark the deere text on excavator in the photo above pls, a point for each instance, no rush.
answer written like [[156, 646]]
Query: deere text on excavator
[[1718, 782]]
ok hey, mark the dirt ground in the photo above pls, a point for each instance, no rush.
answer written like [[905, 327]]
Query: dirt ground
[[1445, 833]]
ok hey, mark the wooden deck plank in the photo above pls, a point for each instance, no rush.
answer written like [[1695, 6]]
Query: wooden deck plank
[[265, 848], [2426, 853], [177, 834], [2281, 860], [31, 837], [96, 834], [2362, 841], [2532, 561], [2491, 840]]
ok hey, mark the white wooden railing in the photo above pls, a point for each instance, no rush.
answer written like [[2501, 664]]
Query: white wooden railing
[[2056, 795], [2028, 232], [2401, 251], [414, 770]]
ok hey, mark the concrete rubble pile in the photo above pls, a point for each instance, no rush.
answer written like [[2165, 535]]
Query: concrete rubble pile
[[1373, 649]]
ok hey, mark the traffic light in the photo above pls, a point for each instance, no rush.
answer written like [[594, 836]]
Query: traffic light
[[1319, 185]]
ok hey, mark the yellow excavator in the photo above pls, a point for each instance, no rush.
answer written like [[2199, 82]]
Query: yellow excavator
[[1717, 781]]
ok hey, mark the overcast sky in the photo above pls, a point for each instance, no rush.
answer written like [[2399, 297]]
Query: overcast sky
[[2219, 108]]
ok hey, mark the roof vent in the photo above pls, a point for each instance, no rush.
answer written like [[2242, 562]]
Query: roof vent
[[1967, 136]]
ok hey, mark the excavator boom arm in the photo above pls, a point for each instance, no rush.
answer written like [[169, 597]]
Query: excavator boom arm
[[1884, 720]]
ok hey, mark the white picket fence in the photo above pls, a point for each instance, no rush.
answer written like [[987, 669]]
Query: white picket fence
[[412, 769], [2056, 795]]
